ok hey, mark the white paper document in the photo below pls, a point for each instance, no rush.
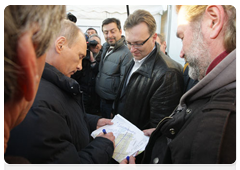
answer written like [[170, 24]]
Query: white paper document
[[128, 138]]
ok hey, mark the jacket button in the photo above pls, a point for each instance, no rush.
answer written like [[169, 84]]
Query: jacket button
[[188, 111], [172, 131], [156, 160], [71, 87]]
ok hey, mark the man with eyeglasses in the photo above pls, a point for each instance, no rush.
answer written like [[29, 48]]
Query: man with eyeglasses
[[153, 83], [114, 58]]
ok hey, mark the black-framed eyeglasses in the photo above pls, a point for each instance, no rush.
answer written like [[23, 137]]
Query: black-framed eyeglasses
[[138, 45]]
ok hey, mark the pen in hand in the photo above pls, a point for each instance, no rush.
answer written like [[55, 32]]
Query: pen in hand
[[127, 158], [104, 131]]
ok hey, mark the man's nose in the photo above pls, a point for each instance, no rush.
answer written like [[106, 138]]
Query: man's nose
[[109, 34], [79, 66], [182, 54], [132, 49]]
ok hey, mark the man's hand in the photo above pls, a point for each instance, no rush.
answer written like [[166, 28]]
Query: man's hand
[[126, 163], [92, 59], [109, 136], [148, 132], [103, 122]]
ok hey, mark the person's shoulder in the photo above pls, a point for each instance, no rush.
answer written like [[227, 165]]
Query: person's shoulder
[[170, 63], [124, 49], [105, 45]]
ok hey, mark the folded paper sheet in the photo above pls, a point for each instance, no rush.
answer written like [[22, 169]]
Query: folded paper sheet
[[128, 138]]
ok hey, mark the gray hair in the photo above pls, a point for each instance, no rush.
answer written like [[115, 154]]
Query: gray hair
[[70, 31], [18, 19]]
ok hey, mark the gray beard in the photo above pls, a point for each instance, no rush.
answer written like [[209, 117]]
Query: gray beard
[[193, 72], [198, 57]]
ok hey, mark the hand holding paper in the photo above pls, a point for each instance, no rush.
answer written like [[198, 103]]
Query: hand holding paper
[[128, 138]]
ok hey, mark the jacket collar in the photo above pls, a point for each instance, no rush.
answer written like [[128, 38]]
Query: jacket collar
[[222, 76], [146, 68], [51, 74], [118, 44]]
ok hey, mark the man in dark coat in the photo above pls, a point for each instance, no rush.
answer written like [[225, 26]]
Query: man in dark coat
[[202, 129], [152, 84], [57, 129]]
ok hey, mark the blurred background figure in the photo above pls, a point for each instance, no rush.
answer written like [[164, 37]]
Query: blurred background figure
[[27, 36], [87, 76], [89, 32], [161, 41], [94, 45]]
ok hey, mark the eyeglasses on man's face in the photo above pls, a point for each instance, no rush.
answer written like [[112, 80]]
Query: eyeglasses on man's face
[[138, 45]]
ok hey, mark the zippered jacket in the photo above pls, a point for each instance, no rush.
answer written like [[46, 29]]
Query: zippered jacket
[[111, 69], [153, 91]]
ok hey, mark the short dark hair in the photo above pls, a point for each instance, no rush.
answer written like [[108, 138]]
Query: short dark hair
[[112, 20], [91, 29]]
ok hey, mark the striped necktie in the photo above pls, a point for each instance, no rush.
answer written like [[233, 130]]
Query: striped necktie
[[110, 49]]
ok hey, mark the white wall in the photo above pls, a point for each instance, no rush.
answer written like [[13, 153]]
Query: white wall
[[174, 44]]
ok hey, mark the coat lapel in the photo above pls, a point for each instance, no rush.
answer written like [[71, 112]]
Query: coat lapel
[[124, 82]]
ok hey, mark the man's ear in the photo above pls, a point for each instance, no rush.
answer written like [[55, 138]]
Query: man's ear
[[26, 58], [154, 36], [216, 19], [165, 44], [120, 31], [59, 43]]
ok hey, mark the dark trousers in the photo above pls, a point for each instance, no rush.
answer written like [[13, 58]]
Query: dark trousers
[[106, 108]]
